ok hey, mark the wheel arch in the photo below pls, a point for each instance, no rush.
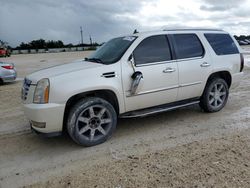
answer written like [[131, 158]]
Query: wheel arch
[[226, 75], [107, 95]]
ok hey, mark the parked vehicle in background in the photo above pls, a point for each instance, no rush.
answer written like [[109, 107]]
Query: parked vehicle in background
[[7, 72], [247, 41], [5, 52], [133, 76], [241, 42]]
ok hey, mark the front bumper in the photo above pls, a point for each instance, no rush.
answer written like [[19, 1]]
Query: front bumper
[[51, 114], [48, 135]]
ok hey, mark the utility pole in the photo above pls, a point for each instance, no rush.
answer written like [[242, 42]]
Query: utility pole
[[81, 34], [90, 40]]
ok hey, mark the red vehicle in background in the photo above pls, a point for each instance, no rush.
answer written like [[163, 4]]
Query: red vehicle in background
[[4, 52]]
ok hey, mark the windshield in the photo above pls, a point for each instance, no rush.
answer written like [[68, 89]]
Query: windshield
[[111, 51]]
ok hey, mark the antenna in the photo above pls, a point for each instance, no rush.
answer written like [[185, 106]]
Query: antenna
[[81, 34], [135, 31]]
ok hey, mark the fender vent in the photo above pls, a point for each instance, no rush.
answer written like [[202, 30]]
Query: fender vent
[[109, 75]]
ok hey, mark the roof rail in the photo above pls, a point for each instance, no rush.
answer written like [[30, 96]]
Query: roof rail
[[191, 28]]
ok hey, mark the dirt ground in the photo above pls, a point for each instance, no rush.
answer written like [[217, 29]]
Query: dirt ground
[[221, 162], [181, 148]]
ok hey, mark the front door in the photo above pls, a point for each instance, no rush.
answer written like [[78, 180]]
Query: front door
[[159, 85]]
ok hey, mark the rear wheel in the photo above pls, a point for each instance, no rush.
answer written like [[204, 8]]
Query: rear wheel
[[91, 121], [215, 95]]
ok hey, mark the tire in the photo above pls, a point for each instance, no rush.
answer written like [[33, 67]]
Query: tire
[[91, 121], [215, 95]]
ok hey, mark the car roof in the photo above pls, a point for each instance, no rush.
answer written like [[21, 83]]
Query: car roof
[[179, 30]]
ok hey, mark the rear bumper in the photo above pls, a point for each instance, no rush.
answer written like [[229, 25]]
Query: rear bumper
[[9, 77], [236, 79], [50, 115]]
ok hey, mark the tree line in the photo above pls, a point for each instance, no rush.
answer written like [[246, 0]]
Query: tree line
[[4, 44], [42, 44]]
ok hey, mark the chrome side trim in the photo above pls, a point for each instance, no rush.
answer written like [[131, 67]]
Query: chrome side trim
[[155, 63], [137, 78], [173, 61], [191, 58], [159, 111], [153, 91], [163, 89], [190, 84]]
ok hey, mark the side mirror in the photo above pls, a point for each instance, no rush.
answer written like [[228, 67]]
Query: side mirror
[[137, 77]]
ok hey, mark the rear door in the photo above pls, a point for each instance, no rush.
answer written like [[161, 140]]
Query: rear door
[[194, 64]]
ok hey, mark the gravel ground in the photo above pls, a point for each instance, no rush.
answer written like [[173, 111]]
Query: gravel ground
[[181, 148], [223, 162]]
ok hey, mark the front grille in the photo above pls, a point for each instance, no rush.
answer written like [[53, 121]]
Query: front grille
[[25, 88]]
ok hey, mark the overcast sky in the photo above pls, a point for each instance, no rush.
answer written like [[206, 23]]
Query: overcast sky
[[26, 20]]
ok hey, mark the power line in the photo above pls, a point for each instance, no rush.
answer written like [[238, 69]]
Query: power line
[[90, 40], [81, 34]]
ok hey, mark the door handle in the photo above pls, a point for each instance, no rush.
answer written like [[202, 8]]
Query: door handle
[[169, 70], [205, 64]]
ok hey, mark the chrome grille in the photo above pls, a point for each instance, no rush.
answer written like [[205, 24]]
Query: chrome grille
[[25, 88]]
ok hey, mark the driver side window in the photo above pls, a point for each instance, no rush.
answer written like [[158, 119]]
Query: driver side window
[[152, 49]]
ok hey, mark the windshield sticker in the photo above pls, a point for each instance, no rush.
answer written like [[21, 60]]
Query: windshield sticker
[[129, 38]]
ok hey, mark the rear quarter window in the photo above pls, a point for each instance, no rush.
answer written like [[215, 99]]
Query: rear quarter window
[[222, 44]]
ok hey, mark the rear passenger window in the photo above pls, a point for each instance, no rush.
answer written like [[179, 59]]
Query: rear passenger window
[[222, 44], [152, 49], [188, 46]]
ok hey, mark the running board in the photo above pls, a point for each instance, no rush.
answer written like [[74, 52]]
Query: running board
[[158, 109]]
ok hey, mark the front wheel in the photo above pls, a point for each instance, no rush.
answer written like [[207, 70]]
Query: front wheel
[[91, 121], [215, 95]]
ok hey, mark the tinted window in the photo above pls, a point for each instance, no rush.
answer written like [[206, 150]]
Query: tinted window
[[113, 50], [222, 44], [188, 46], [152, 49]]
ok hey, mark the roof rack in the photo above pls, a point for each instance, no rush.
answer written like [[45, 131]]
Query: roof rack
[[190, 28]]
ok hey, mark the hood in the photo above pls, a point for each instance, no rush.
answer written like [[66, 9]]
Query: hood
[[61, 69]]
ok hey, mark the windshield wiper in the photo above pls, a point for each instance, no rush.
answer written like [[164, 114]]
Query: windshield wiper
[[94, 60]]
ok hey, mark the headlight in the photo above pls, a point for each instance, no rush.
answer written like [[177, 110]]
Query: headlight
[[41, 95]]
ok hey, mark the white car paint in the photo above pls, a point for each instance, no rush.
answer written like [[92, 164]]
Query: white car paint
[[188, 80]]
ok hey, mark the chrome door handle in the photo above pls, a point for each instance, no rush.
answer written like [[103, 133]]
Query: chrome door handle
[[169, 70], [205, 64]]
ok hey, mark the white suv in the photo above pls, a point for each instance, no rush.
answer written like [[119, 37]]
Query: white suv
[[132, 76]]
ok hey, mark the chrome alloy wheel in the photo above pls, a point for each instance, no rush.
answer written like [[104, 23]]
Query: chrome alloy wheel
[[217, 95], [94, 122]]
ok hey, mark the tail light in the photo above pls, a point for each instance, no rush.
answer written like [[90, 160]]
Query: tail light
[[241, 62], [8, 67]]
